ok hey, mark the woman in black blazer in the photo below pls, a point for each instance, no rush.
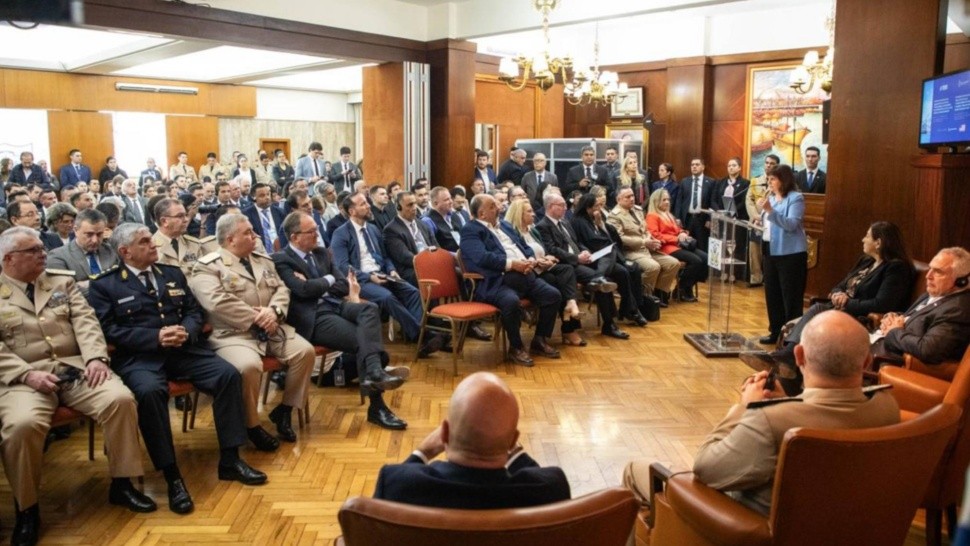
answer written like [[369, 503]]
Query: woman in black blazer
[[881, 281], [729, 195], [595, 233]]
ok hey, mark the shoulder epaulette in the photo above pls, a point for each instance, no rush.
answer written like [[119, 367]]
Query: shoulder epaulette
[[208, 239], [209, 258], [67, 272], [871, 390], [772, 402], [160, 266], [261, 254], [106, 272], [191, 238]]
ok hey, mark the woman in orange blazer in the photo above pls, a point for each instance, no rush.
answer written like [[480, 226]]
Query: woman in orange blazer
[[676, 243]]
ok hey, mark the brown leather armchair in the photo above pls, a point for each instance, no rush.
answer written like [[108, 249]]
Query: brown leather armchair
[[916, 392], [832, 487], [604, 518]]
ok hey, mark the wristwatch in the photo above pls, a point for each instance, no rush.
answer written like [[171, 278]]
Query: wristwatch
[[280, 315]]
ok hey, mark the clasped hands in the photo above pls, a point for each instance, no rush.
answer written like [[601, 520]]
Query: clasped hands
[[891, 321], [524, 266], [839, 299], [753, 389], [265, 318]]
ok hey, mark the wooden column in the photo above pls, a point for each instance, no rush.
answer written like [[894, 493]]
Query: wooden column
[[452, 111], [942, 186], [689, 99], [383, 121], [885, 49]]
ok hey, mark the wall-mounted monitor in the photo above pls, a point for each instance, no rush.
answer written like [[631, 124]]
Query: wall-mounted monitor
[[945, 112]]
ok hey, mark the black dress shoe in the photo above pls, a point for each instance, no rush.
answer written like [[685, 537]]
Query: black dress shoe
[[385, 418], [479, 333], [179, 500], [262, 439], [687, 296], [541, 348], [663, 298], [769, 339], [402, 372], [637, 319], [282, 418], [125, 494], [241, 472], [379, 380], [279, 377], [27, 527], [521, 357], [430, 346], [614, 331]]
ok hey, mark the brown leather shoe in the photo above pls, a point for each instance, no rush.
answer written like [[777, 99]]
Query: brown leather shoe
[[541, 348], [521, 357]]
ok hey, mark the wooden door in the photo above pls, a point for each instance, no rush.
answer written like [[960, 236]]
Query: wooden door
[[270, 144]]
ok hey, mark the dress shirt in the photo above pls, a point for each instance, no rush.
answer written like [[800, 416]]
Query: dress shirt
[[512, 251], [419, 241], [367, 262], [303, 256], [139, 273]]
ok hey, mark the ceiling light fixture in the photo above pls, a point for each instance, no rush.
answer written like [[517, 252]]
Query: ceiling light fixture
[[147, 88], [592, 86], [543, 67]]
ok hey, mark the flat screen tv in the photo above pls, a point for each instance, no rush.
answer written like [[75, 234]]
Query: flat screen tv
[[945, 112]]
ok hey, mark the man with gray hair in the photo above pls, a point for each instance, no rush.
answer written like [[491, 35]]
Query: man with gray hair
[[89, 254], [53, 352], [134, 204], [537, 180], [741, 454], [152, 318], [329, 195], [175, 246], [247, 304]]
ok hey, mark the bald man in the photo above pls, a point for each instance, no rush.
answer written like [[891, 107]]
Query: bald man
[[485, 467], [740, 455]]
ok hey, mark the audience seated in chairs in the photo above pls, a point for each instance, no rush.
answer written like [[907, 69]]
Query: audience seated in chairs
[[740, 455], [486, 467], [592, 231], [507, 265]]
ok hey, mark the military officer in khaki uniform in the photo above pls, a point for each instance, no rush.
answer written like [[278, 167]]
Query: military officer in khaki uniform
[[756, 192], [52, 351], [246, 304], [741, 453], [175, 247], [659, 270]]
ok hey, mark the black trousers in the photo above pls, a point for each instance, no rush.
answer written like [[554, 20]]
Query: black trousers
[[785, 278], [605, 304], [696, 270], [352, 328], [148, 380], [627, 279], [697, 229], [515, 286]]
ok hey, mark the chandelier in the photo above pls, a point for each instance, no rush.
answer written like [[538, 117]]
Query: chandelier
[[813, 69], [594, 87], [543, 67]]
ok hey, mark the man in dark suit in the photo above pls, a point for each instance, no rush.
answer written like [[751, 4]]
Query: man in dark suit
[[537, 180], [89, 254], [134, 203], [28, 173], [24, 213], [695, 196], [442, 221], [584, 176], [75, 171], [358, 244], [379, 210], [513, 169], [299, 200], [151, 317], [559, 240], [811, 179], [484, 171], [486, 467], [326, 309], [405, 236], [265, 218], [151, 171], [344, 173], [506, 263], [223, 194]]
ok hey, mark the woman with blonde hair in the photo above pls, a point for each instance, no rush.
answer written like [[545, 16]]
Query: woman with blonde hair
[[521, 218], [677, 243], [630, 176]]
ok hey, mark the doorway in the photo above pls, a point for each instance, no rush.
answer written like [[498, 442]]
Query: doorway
[[270, 144]]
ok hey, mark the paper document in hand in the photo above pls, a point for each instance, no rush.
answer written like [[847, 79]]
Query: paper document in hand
[[600, 253]]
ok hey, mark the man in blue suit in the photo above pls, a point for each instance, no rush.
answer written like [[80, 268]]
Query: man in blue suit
[[310, 167], [484, 171], [265, 218], [696, 192], [75, 171], [359, 244], [495, 251]]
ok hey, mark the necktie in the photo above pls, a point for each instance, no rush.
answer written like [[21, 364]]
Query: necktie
[[369, 245], [93, 263], [316, 169], [811, 178], [695, 199], [175, 246], [77, 169], [538, 180], [249, 267], [29, 292], [589, 173], [268, 233], [147, 281], [569, 240], [134, 206], [314, 272], [418, 238]]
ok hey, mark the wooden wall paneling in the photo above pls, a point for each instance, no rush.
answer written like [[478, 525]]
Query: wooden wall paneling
[[513, 111], [957, 53], [688, 106], [452, 111], [232, 100], [196, 136], [869, 175], [383, 120], [725, 134], [90, 132], [942, 186], [550, 106]]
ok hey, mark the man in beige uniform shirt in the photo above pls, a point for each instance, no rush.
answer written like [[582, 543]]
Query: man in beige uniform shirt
[[246, 303], [740, 455], [175, 247], [52, 351], [659, 270]]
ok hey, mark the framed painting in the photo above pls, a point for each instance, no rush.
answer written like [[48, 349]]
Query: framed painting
[[780, 121], [628, 104]]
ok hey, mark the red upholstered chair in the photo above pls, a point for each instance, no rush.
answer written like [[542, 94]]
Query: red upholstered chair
[[604, 518], [64, 415], [441, 299], [916, 393], [832, 487]]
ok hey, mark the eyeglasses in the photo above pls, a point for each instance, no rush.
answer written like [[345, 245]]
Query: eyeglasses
[[34, 250], [179, 216]]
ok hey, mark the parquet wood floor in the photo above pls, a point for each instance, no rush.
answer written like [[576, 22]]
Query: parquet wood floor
[[651, 397]]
